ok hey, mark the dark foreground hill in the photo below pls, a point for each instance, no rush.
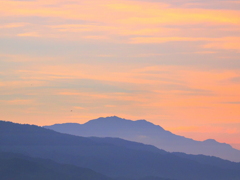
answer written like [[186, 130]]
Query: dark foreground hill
[[110, 156], [148, 133], [19, 167]]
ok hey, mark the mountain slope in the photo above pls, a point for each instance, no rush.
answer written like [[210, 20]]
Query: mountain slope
[[20, 167], [112, 157], [148, 133]]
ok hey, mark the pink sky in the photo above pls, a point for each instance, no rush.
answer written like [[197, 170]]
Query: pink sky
[[174, 63]]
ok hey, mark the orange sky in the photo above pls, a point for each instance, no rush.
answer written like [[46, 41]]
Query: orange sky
[[176, 64]]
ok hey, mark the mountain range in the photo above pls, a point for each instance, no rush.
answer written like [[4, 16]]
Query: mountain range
[[146, 132], [108, 158], [16, 166]]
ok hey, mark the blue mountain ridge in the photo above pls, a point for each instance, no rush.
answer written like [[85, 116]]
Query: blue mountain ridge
[[146, 132], [113, 157]]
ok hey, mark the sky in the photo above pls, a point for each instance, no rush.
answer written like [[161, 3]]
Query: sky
[[175, 63]]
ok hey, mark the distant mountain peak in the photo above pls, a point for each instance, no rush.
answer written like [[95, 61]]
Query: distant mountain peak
[[118, 121], [112, 118], [211, 140], [109, 119], [143, 120]]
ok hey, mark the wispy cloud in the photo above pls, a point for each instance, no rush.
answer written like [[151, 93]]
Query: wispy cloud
[[233, 102]]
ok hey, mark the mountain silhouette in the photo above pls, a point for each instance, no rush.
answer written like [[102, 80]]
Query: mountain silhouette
[[113, 157], [145, 132], [20, 167]]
